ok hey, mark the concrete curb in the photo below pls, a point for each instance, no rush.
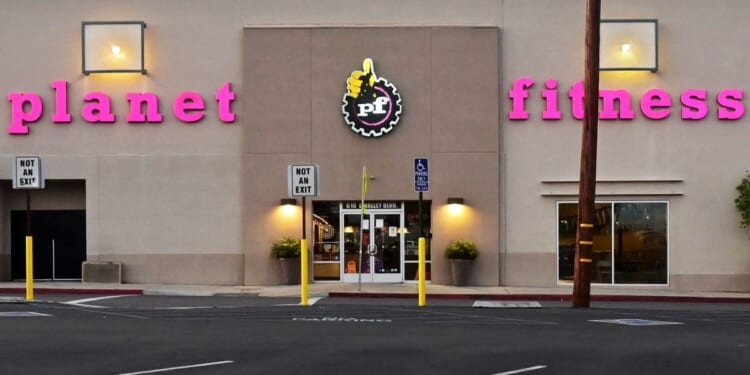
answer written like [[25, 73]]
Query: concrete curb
[[510, 296], [546, 297], [113, 291]]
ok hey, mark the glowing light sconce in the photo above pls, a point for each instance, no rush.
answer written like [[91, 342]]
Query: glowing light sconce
[[455, 201], [288, 202], [455, 206], [113, 47], [629, 45]]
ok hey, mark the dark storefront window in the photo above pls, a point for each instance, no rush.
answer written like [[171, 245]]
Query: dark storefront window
[[630, 242], [326, 246], [411, 221]]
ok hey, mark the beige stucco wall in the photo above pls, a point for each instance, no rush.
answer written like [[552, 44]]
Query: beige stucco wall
[[151, 189], [446, 77], [708, 250], [159, 195]]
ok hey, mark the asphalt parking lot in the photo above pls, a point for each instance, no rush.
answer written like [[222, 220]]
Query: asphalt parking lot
[[253, 335]]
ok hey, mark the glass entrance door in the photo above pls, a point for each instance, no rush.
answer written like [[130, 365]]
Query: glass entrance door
[[373, 246]]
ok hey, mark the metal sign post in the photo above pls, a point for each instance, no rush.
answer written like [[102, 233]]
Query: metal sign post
[[362, 225], [303, 181], [421, 184], [27, 175]]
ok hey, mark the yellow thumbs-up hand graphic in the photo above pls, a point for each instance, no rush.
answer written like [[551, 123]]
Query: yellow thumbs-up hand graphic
[[361, 81]]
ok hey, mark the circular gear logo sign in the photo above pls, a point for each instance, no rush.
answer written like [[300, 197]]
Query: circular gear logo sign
[[372, 105]]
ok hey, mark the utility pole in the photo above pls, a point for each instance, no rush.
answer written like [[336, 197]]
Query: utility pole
[[587, 182]]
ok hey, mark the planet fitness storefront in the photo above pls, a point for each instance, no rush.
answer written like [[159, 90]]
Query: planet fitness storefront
[[175, 167]]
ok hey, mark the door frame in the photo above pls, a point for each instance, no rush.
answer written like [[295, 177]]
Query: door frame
[[372, 276], [46, 230]]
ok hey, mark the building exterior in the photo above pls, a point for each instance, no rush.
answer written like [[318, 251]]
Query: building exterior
[[177, 174]]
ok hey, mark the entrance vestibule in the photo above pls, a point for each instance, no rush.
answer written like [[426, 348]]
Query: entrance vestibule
[[377, 246]]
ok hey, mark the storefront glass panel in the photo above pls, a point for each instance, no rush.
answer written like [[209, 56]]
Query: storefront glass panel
[[411, 248], [640, 243], [602, 248], [326, 245], [638, 235]]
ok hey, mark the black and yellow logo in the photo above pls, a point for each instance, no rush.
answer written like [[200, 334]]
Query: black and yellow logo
[[372, 105]]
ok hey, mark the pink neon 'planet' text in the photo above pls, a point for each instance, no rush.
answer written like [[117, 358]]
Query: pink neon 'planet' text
[[188, 107]]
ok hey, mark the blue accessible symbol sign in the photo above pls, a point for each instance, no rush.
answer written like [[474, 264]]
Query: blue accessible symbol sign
[[421, 175]]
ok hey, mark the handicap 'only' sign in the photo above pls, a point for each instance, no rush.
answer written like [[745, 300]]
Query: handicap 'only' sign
[[372, 105]]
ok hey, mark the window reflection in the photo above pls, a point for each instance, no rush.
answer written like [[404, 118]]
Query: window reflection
[[326, 247], [640, 243], [411, 238], [638, 235]]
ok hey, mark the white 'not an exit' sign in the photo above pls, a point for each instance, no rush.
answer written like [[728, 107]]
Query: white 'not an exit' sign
[[27, 173], [303, 180]]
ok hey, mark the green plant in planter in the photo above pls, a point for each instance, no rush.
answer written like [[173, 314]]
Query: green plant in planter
[[459, 249], [743, 200], [286, 248]]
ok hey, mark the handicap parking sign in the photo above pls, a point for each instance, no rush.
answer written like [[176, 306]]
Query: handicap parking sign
[[421, 175]]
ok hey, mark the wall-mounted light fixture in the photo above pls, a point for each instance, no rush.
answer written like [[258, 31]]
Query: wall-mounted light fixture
[[455, 200], [113, 46], [629, 44], [288, 202]]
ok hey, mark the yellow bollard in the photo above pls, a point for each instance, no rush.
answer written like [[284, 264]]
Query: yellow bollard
[[422, 271], [303, 272], [29, 269]]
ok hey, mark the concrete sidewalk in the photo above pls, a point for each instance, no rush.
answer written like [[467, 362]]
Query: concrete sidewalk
[[366, 290]]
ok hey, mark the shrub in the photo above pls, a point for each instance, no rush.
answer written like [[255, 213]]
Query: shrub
[[286, 248], [743, 201], [459, 249]]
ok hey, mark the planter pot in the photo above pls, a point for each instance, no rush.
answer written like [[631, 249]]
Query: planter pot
[[461, 271], [290, 270]]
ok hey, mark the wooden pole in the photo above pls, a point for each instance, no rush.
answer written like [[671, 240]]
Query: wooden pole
[[587, 184]]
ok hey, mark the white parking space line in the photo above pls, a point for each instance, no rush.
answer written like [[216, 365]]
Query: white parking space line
[[184, 308], [20, 314], [82, 302], [178, 368], [310, 301], [636, 322], [508, 304], [527, 369]]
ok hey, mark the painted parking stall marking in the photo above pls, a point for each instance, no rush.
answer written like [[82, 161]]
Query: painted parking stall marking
[[636, 322], [311, 301], [166, 369], [83, 302], [21, 314], [330, 319], [507, 304], [522, 370]]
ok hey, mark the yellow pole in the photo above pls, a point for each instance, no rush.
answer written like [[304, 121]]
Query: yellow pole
[[29, 269], [422, 271], [303, 272]]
